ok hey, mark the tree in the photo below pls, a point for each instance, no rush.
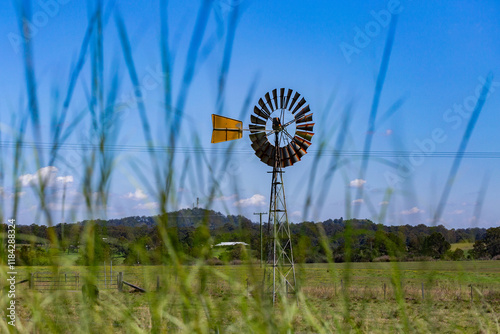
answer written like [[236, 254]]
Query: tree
[[489, 246], [435, 245], [492, 241], [457, 255]]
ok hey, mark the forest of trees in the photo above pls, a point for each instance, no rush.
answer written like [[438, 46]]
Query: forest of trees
[[193, 232]]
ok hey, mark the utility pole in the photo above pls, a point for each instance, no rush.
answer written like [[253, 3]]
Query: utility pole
[[260, 214]]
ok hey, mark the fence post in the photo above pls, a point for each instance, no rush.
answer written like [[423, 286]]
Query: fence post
[[157, 282], [384, 291], [120, 281], [65, 278], [423, 291], [32, 280], [471, 294]]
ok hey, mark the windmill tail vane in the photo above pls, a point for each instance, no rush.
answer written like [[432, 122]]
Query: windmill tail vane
[[225, 129]]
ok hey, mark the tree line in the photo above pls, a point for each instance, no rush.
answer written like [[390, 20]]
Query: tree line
[[191, 234]]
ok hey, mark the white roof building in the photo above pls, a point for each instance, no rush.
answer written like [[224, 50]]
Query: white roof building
[[230, 243]]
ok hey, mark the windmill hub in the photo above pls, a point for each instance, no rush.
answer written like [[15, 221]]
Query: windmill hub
[[277, 124]]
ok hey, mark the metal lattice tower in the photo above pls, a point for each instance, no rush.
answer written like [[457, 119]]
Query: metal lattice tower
[[280, 265]]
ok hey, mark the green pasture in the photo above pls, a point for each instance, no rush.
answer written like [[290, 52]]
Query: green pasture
[[465, 246], [364, 297]]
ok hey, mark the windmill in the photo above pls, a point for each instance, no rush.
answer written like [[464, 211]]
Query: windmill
[[281, 131]]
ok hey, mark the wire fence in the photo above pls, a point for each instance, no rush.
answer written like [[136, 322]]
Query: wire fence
[[104, 279]]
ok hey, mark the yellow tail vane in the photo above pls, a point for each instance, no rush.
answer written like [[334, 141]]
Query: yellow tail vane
[[225, 129]]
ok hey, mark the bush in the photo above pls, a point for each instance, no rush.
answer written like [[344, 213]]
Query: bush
[[214, 262]]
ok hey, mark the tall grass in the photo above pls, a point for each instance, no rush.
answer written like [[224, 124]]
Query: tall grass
[[196, 297]]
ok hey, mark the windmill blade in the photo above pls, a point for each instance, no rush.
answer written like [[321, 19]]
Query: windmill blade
[[304, 111], [306, 127], [285, 159], [295, 97], [257, 137], [260, 112], [262, 104], [288, 98], [275, 99], [291, 150], [305, 119], [300, 104], [282, 97], [265, 158], [258, 151], [300, 151], [268, 99], [261, 151], [293, 154], [284, 153], [295, 159], [303, 143], [257, 120], [271, 151], [268, 160], [258, 141], [305, 135], [256, 128]]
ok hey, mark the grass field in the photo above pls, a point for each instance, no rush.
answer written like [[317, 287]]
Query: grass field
[[465, 246], [360, 297]]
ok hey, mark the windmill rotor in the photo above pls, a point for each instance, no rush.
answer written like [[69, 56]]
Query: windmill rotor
[[276, 114]]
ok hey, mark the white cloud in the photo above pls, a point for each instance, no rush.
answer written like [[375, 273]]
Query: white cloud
[[58, 206], [147, 206], [388, 132], [296, 214], [383, 203], [64, 179], [9, 195], [358, 183], [358, 201], [412, 211], [137, 195], [225, 198], [457, 212], [48, 176], [255, 200]]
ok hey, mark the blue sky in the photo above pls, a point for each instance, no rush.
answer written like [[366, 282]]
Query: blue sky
[[326, 50]]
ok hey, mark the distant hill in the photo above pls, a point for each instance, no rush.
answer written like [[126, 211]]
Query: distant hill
[[181, 218], [216, 221]]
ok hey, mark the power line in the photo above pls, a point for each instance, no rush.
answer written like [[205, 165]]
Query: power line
[[214, 150]]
